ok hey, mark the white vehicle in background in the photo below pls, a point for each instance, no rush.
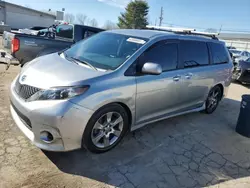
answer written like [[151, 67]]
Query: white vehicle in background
[[31, 30], [239, 55]]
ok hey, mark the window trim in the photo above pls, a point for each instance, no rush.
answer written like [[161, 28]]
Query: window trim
[[181, 58]]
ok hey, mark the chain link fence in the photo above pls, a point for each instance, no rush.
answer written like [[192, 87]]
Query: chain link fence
[[239, 45]]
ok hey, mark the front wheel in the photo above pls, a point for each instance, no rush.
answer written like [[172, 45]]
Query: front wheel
[[106, 128], [213, 99]]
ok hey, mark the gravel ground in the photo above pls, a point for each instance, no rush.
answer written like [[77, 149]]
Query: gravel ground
[[194, 150]]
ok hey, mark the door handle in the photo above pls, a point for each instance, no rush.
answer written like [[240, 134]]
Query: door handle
[[176, 78], [188, 76]]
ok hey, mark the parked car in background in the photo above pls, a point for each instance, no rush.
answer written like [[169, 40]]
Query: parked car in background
[[24, 48], [242, 71], [235, 52], [116, 81], [32, 30], [240, 55], [231, 48], [244, 55]]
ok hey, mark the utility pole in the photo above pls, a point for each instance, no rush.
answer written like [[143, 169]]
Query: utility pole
[[161, 17]]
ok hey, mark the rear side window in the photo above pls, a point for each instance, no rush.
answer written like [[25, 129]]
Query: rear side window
[[88, 33], [219, 53], [164, 54], [65, 31], [194, 53]]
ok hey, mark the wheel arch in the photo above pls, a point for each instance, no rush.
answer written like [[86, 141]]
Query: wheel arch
[[123, 105], [222, 89]]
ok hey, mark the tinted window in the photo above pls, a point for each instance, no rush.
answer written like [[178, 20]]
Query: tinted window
[[194, 53], [163, 54], [248, 60], [219, 53], [88, 33], [65, 31]]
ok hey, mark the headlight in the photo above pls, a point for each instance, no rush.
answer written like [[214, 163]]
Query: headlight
[[58, 93]]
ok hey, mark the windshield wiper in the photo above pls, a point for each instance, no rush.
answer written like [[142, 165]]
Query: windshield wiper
[[84, 62]]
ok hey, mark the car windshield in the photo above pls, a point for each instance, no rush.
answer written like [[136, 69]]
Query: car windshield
[[105, 50], [235, 52]]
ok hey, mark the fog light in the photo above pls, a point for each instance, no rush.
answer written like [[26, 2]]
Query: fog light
[[46, 137]]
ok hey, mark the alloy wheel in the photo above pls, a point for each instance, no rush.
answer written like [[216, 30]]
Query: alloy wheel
[[107, 129], [213, 99]]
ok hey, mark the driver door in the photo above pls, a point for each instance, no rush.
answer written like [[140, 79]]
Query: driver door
[[158, 95]]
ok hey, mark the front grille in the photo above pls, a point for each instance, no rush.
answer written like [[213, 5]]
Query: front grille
[[25, 91], [23, 118]]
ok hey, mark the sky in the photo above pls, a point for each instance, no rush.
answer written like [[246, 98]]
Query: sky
[[230, 15]]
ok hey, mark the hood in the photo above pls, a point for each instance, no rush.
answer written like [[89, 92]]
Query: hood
[[53, 70]]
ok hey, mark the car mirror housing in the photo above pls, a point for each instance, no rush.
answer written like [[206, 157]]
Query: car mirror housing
[[151, 68]]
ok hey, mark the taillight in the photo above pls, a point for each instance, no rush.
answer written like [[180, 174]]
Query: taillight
[[14, 45]]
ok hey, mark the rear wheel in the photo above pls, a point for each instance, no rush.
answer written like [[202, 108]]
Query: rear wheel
[[106, 128], [213, 99]]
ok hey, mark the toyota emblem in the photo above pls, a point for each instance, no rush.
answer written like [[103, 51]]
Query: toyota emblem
[[23, 78]]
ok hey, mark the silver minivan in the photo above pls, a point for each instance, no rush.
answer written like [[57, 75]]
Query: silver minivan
[[91, 94]]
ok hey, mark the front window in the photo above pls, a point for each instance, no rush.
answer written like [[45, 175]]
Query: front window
[[105, 50]]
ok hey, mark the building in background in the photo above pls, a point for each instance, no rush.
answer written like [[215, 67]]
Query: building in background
[[18, 17]]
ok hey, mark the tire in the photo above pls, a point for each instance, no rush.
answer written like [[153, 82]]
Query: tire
[[213, 99], [101, 128]]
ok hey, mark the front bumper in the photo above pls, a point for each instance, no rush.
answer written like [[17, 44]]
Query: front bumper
[[64, 120]]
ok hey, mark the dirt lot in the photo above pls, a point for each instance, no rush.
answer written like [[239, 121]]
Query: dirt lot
[[194, 150]]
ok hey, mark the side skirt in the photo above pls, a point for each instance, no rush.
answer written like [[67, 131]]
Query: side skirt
[[168, 116]]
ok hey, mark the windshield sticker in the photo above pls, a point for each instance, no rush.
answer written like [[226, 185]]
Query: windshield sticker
[[134, 40]]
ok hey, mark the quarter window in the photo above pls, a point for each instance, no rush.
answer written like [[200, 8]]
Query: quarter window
[[88, 33], [194, 53], [164, 54], [219, 53]]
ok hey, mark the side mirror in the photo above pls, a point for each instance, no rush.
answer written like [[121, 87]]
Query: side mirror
[[151, 68]]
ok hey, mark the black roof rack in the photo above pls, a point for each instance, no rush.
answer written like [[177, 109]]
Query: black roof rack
[[189, 31]]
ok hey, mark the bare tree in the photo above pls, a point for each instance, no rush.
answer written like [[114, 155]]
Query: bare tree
[[93, 22], [68, 17], [109, 25], [82, 19]]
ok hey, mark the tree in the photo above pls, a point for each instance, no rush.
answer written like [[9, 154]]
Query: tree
[[82, 19], [109, 25], [211, 30], [135, 15], [93, 22], [68, 17]]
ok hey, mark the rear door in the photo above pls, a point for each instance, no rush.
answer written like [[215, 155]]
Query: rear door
[[197, 77]]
